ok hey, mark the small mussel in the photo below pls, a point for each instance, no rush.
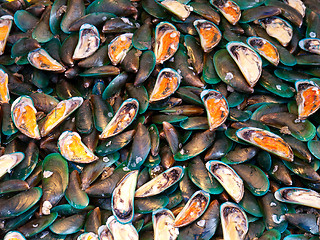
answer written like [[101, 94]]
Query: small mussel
[[265, 49], [9, 161], [160, 182], [88, 43], [209, 33], [4, 89], [122, 119], [234, 221], [278, 28], [248, 61], [193, 209], [122, 197], [229, 9], [118, 47], [300, 196], [24, 116], [73, 149], [41, 59], [5, 27], [228, 178], [308, 98], [104, 233], [167, 83], [14, 235], [166, 41], [267, 141], [216, 106], [310, 45], [122, 231], [179, 9], [58, 114], [163, 225], [88, 236]]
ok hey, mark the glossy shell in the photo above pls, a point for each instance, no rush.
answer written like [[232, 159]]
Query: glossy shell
[[163, 225], [167, 83], [41, 59], [308, 98], [160, 182], [4, 89], [122, 198], [24, 116], [193, 209], [248, 61], [88, 236], [310, 45], [216, 106], [278, 28], [88, 43], [209, 33], [73, 149], [9, 161], [179, 9], [5, 27], [58, 114], [234, 221], [118, 47], [14, 235], [166, 41], [266, 140], [228, 178], [265, 49], [122, 231], [229, 9], [300, 196], [122, 119]]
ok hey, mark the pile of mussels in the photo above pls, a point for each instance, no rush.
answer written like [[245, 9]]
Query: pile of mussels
[[160, 119]]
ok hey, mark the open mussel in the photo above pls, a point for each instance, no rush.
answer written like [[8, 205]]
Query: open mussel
[[41, 59], [73, 149], [24, 116], [216, 106], [14, 235], [234, 221], [163, 225], [122, 231], [209, 33], [118, 47], [266, 140], [5, 27], [122, 119], [9, 161], [310, 45]]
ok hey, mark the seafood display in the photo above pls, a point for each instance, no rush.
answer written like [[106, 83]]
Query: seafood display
[[159, 119]]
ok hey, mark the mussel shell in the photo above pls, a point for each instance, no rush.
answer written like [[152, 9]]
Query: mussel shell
[[118, 47], [14, 235], [229, 9], [160, 182], [23, 115], [73, 149], [163, 225], [4, 89], [9, 161], [234, 221], [310, 45], [5, 27], [88, 236], [165, 48], [58, 114], [278, 28], [41, 59], [182, 11], [122, 231], [209, 33], [122, 119], [300, 196], [88, 43], [228, 178], [248, 61], [216, 106], [308, 98], [194, 208], [167, 83], [265, 49], [273, 144], [122, 198]]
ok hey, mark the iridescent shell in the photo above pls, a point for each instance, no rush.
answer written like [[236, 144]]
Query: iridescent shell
[[23, 115]]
